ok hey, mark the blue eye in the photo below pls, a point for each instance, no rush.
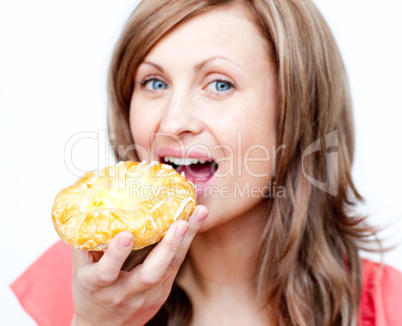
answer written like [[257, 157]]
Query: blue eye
[[156, 84], [222, 86]]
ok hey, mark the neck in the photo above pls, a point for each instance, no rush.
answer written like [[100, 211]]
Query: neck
[[222, 261]]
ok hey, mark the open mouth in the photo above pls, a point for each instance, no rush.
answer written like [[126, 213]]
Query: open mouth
[[198, 171]]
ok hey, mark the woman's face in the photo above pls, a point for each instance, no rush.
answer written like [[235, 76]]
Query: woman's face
[[207, 92]]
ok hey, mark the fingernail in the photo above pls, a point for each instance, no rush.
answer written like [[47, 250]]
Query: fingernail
[[201, 215], [182, 229], [124, 241]]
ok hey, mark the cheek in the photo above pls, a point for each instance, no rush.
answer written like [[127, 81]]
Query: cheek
[[258, 145], [142, 126], [258, 148]]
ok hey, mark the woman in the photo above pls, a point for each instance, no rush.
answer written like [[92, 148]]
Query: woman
[[257, 88], [200, 72]]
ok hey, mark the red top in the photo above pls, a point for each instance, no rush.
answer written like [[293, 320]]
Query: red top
[[45, 291]]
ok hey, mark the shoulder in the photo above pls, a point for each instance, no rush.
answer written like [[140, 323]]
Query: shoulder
[[381, 295], [44, 290]]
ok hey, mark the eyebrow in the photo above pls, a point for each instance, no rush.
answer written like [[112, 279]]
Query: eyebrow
[[197, 67]]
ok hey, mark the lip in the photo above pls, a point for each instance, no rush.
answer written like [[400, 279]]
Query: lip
[[199, 191], [183, 152]]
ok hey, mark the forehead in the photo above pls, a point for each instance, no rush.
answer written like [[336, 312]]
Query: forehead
[[227, 32]]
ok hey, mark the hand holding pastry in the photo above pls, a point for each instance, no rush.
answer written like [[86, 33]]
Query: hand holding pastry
[[105, 295], [127, 206]]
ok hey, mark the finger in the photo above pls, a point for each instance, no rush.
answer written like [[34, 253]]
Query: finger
[[152, 270], [195, 221], [107, 269]]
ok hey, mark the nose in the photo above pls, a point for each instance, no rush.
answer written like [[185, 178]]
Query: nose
[[181, 116]]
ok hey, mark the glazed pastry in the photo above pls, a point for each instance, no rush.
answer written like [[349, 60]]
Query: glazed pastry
[[144, 199]]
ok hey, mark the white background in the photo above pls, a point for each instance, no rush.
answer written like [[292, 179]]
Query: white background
[[54, 57]]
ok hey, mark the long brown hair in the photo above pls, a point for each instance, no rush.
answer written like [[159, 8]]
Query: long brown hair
[[310, 270]]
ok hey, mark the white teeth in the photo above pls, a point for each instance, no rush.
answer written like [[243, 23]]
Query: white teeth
[[183, 160]]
